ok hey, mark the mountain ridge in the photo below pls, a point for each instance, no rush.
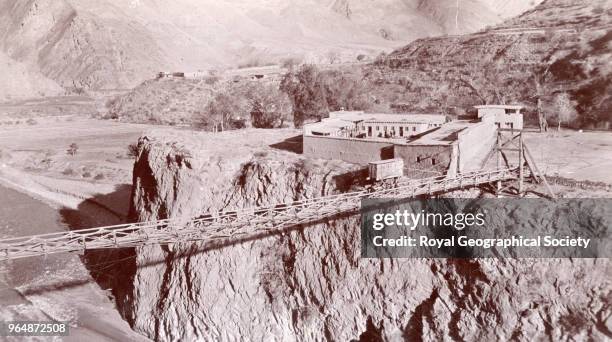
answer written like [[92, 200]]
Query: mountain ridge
[[109, 44]]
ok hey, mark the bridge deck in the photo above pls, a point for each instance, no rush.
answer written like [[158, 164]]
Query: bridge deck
[[235, 224]]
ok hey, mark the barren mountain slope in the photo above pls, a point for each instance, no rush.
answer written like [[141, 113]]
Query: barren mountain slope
[[117, 43], [95, 46], [21, 81]]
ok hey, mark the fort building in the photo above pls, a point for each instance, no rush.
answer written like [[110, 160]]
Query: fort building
[[428, 144]]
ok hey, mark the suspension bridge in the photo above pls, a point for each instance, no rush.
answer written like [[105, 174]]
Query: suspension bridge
[[222, 226]]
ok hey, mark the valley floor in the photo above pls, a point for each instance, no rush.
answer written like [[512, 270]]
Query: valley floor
[[61, 287]]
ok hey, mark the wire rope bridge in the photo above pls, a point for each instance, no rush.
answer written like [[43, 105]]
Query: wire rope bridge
[[235, 224]]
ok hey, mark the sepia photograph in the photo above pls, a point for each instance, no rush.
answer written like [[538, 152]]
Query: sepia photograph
[[305, 170]]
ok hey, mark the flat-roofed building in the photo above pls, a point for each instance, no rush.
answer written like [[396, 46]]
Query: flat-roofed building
[[330, 127], [357, 124], [504, 116], [433, 147]]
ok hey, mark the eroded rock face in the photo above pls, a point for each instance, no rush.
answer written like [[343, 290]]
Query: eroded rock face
[[311, 284]]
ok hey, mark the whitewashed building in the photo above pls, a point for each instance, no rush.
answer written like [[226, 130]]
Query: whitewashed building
[[504, 116], [357, 124]]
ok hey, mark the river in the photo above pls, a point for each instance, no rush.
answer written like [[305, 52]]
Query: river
[[54, 287]]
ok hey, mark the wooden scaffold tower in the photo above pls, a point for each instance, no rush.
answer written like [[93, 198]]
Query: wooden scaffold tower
[[511, 147]]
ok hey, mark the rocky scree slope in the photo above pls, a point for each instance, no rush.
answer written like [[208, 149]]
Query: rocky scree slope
[[311, 284]]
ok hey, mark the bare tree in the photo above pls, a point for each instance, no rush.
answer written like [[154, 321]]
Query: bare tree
[[564, 108], [538, 80], [221, 111]]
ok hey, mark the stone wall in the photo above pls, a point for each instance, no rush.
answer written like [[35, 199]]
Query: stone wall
[[466, 154], [356, 151], [425, 160], [419, 160]]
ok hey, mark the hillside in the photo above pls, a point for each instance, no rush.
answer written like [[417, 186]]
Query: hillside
[[164, 101], [20, 81], [558, 52], [109, 44]]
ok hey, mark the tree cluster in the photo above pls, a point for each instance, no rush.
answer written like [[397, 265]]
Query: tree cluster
[[315, 92], [270, 107]]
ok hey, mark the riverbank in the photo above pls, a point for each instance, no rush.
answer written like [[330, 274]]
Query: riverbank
[[60, 288]]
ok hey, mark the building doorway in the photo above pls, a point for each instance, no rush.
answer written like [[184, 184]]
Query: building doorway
[[369, 131]]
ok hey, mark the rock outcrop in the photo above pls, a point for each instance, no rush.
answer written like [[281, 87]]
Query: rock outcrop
[[311, 284]]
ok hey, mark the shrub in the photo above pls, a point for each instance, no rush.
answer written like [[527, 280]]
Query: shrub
[[72, 149], [211, 80], [290, 62], [99, 176], [68, 172]]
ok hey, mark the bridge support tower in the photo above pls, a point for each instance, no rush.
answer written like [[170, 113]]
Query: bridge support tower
[[512, 152]]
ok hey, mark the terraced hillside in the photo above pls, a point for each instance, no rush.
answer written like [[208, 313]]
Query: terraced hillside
[[558, 52]]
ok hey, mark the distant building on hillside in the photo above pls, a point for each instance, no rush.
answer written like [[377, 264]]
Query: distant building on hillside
[[164, 74], [504, 116]]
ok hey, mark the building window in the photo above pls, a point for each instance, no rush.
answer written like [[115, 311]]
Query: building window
[[414, 129], [418, 159], [378, 128], [433, 161]]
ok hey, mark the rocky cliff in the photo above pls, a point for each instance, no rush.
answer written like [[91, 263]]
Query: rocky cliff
[[310, 283]]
